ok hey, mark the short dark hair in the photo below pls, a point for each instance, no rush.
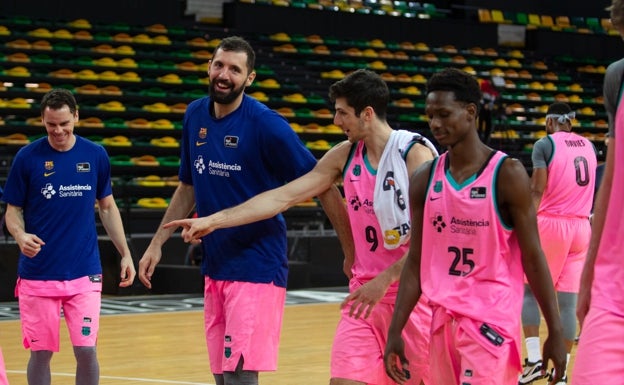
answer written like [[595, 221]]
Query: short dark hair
[[56, 98], [362, 88], [239, 44], [464, 86], [559, 108]]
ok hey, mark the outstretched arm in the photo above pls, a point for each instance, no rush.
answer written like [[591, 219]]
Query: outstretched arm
[[268, 203]]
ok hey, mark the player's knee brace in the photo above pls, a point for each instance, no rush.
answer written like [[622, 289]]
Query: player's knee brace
[[567, 310], [530, 309]]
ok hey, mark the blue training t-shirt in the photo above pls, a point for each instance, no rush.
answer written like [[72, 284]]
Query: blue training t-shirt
[[230, 160], [57, 192]]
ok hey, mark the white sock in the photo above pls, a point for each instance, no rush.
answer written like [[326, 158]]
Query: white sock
[[567, 362], [533, 347]]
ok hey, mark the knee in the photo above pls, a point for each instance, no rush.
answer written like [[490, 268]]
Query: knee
[[41, 355], [85, 353]]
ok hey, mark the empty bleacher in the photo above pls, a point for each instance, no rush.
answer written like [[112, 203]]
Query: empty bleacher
[[133, 82]]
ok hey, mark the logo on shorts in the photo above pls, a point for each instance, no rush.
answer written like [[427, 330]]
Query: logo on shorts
[[95, 278], [86, 330], [228, 350]]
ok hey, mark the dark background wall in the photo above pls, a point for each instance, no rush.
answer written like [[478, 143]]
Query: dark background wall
[[436, 32], [551, 7], [129, 11], [163, 11], [250, 17]]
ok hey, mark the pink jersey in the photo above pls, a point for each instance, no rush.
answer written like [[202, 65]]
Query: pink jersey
[[3, 376], [608, 284], [471, 264], [571, 177], [371, 256]]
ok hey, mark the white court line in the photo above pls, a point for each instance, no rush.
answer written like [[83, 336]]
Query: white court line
[[151, 380]]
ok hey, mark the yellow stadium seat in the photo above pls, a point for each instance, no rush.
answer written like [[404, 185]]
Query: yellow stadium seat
[[562, 22], [547, 21], [484, 15], [499, 17], [534, 19]]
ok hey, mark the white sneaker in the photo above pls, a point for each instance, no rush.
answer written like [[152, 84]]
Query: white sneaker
[[532, 371], [563, 381]]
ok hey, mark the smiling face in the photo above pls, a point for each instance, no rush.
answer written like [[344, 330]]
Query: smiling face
[[59, 125], [229, 76], [449, 120]]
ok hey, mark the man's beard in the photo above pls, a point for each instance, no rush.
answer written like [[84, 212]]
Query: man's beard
[[224, 98]]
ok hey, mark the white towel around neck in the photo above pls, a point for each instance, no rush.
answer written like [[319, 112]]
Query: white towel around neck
[[391, 203]]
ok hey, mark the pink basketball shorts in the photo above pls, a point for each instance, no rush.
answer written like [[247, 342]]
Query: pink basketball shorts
[[359, 344], [42, 303], [565, 242], [243, 319], [460, 353], [600, 350]]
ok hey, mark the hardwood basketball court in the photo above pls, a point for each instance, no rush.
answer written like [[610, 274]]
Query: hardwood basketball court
[[167, 347]]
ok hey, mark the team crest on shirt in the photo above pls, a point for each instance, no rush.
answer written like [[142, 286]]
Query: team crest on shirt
[[48, 165], [230, 141], [202, 133], [356, 171], [437, 187], [478, 192]]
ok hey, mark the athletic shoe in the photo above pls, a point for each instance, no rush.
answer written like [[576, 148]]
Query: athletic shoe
[[563, 381], [532, 371]]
